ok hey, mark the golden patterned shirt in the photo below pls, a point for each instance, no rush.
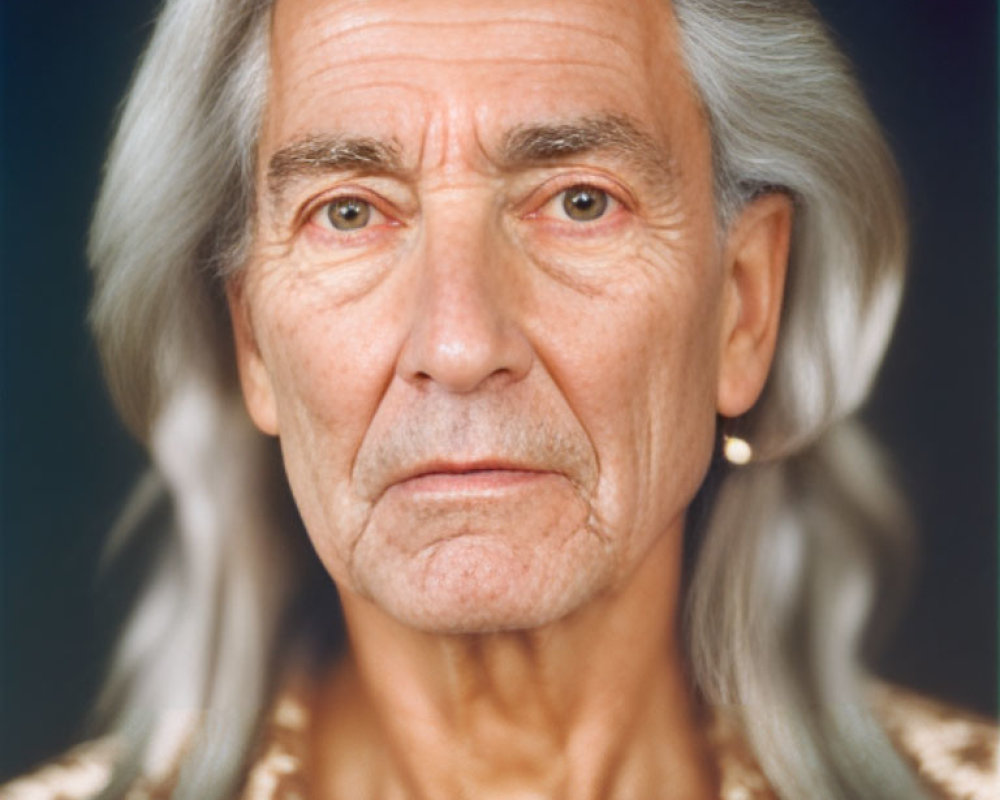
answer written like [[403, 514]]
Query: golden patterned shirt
[[955, 753]]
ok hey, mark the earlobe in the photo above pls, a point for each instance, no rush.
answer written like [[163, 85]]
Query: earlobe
[[756, 260], [255, 380]]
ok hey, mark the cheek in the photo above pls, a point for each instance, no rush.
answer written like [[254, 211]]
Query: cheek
[[638, 365], [312, 355], [328, 366]]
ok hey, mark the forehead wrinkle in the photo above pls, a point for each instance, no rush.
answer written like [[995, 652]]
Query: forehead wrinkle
[[476, 25], [322, 154], [483, 60], [341, 40], [541, 143]]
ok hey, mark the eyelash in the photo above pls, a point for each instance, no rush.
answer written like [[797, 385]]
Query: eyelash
[[318, 213], [557, 203], [553, 192]]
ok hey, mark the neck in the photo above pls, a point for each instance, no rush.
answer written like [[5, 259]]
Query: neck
[[596, 705]]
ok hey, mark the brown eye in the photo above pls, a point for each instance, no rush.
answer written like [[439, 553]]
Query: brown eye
[[348, 213], [584, 203]]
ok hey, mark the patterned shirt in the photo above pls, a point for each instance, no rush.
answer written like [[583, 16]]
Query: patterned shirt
[[955, 754]]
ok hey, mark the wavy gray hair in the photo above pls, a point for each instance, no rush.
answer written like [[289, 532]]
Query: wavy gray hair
[[791, 548]]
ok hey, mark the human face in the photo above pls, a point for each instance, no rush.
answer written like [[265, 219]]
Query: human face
[[484, 304]]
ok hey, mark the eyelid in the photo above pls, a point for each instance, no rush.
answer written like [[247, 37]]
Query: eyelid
[[315, 205], [552, 189]]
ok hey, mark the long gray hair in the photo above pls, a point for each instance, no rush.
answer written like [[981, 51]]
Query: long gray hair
[[792, 548]]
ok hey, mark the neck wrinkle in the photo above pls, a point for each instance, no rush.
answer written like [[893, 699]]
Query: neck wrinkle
[[593, 707]]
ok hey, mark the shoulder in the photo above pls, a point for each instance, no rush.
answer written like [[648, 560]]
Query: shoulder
[[275, 769], [91, 768], [954, 751], [77, 774]]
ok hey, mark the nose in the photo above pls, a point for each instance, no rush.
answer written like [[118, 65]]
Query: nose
[[465, 329]]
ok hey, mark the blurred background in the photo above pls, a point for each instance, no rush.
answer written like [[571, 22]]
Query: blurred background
[[66, 464]]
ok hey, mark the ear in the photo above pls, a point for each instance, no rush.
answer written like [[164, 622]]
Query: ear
[[255, 379], [755, 260]]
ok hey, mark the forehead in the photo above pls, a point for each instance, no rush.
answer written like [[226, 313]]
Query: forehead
[[436, 73]]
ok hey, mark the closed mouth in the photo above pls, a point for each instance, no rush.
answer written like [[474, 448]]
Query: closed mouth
[[467, 476]]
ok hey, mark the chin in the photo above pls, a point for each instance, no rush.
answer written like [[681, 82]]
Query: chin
[[475, 584]]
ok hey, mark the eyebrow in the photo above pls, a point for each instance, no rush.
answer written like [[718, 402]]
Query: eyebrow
[[541, 143], [318, 155], [523, 146]]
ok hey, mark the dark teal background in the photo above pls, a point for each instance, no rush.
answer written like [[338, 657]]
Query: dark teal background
[[929, 66]]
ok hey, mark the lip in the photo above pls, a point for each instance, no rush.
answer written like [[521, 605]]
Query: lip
[[447, 477]]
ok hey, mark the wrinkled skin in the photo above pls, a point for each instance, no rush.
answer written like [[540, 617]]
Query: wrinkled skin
[[495, 366]]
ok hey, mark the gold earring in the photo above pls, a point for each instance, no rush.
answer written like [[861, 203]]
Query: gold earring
[[736, 451]]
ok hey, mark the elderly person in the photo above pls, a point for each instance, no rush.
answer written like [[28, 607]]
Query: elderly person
[[556, 312]]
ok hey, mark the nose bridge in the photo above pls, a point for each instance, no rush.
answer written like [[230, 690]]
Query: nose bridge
[[465, 325]]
